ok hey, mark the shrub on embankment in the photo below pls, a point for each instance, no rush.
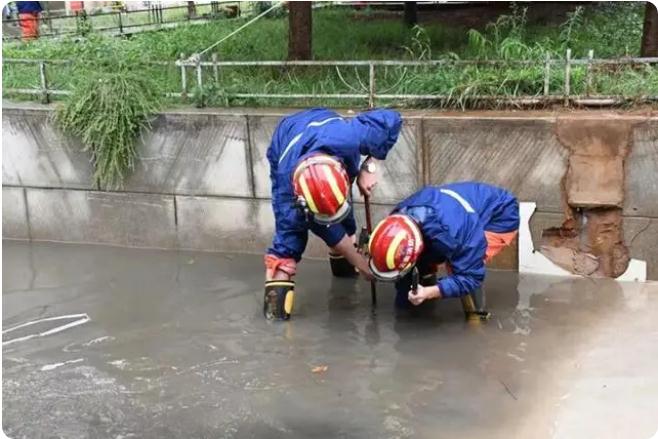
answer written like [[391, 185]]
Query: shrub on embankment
[[110, 105]]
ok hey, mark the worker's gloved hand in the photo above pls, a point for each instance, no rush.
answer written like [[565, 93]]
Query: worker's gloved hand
[[423, 293]]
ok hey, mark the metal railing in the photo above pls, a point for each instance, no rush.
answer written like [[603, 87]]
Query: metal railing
[[193, 72], [122, 22]]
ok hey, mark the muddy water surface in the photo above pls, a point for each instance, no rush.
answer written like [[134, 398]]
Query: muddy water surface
[[156, 344]]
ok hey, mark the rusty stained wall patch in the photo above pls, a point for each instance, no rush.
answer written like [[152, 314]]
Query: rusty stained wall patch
[[590, 241]]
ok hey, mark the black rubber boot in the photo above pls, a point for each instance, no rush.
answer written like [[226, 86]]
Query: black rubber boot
[[474, 306], [278, 300], [479, 299], [340, 267]]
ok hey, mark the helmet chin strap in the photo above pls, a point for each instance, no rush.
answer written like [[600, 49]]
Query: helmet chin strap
[[301, 203], [391, 276], [338, 217]]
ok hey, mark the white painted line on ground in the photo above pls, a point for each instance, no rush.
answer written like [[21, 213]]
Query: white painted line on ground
[[56, 365], [81, 319]]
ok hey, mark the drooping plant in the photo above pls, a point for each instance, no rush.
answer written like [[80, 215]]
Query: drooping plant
[[108, 109]]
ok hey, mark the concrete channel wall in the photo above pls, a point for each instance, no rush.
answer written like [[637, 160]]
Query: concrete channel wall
[[201, 181]]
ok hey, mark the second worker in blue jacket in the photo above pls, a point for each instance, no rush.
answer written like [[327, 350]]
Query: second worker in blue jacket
[[463, 225]]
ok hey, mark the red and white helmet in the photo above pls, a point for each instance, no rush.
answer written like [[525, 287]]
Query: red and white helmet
[[322, 184], [395, 245]]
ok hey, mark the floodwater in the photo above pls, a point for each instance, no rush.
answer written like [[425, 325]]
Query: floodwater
[[156, 344]]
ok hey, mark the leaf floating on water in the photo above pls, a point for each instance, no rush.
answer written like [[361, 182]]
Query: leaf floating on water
[[319, 369]]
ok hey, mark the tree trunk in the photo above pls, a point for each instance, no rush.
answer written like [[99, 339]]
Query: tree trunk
[[410, 14], [191, 10], [650, 32], [300, 30]]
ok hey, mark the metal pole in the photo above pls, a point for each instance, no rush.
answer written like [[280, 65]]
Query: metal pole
[[49, 21], [371, 83], [366, 198], [590, 56], [373, 285], [567, 78], [215, 68], [183, 78], [199, 75], [45, 98], [120, 24], [547, 74]]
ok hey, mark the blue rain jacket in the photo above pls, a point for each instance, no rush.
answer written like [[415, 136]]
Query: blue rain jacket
[[453, 218], [321, 130]]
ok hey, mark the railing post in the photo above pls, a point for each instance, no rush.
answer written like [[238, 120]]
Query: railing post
[[371, 86], [45, 97], [547, 74], [590, 57], [215, 68], [567, 78], [120, 24], [49, 22], [183, 78], [199, 74]]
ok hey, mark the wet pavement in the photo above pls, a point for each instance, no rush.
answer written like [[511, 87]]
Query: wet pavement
[[163, 344]]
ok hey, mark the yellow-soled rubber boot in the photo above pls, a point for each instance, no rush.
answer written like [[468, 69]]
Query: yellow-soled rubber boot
[[279, 299]]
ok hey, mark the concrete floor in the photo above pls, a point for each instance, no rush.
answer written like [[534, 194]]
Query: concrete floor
[[175, 346]]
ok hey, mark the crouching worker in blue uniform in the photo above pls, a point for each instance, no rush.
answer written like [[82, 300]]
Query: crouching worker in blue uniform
[[462, 225], [314, 157]]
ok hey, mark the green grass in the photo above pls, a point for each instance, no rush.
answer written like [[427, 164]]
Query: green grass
[[611, 30]]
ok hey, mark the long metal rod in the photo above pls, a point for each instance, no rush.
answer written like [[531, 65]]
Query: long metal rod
[[300, 95], [580, 100], [35, 91], [366, 198], [575, 61], [373, 284], [587, 99], [647, 60]]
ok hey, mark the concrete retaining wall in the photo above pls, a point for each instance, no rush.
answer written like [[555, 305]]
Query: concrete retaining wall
[[202, 178]]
